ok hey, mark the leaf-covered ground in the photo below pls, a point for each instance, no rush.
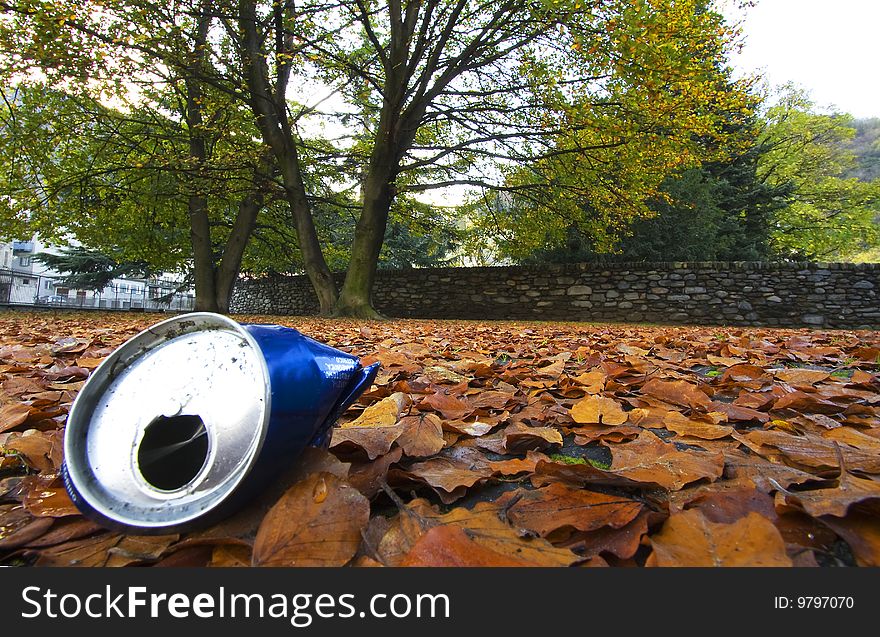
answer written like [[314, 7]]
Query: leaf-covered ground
[[503, 444]]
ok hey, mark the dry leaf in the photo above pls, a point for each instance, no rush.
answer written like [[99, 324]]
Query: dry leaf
[[596, 409], [689, 539], [318, 522], [557, 505]]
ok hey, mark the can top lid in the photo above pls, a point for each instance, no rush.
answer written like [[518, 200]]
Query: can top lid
[[170, 423]]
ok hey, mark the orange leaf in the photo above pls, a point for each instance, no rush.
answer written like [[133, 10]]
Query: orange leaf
[[596, 409], [689, 539], [318, 522]]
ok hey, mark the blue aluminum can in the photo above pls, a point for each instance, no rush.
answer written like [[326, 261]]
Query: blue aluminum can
[[192, 417]]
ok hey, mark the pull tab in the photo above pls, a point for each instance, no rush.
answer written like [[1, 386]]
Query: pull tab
[[358, 384]]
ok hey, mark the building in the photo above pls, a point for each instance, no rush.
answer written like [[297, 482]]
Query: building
[[26, 281]]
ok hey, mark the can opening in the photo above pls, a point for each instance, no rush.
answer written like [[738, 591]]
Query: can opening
[[173, 451]]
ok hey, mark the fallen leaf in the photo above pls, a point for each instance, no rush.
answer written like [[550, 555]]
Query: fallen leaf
[[810, 451], [18, 527], [448, 474], [599, 410], [684, 426], [450, 407], [133, 549], [689, 539], [90, 551], [621, 542], [231, 556], [453, 546], [862, 532], [557, 505], [13, 415], [760, 471], [834, 501], [385, 413], [316, 523], [649, 459], [519, 437], [367, 477], [485, 526], [65, 530], [809, 403], [422, 435], [678, 392]]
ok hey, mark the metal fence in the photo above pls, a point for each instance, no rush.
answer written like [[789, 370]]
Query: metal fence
[[22, 288]]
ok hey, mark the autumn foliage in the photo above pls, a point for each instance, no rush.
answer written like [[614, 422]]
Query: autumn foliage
[[503, 444]]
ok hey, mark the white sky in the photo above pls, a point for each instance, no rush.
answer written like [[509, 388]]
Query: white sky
[[829, 47]]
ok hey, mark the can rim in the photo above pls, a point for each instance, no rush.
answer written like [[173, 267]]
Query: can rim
[[133, 349]]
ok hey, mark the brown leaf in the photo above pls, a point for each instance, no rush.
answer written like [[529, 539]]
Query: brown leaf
[[593, 381], [547, 472], [422, 435], [134, 549], [476, 428], [485, 525], [450, 407], [689, 539], [518, 465], [374, 441], [367, 477], [586, 434], [834, 501], [862, 532], [316, 523], [449, 474], [678, 392], [556, 506], [726, 507], [801, 376], [13, 415], [740, 413], [810, 451], [231, 555], [810, 403], [596, 409], [90, 551], [684, 426], [385, 413], [36, 448], [453, 546], [519, 437], [18, 527], [649, 459], [740, 466], [89, 363], [622, 543], [492, 400], [50, 501], [65, 530]]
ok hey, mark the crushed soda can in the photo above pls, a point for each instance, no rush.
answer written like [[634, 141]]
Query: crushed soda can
[[189, 419]]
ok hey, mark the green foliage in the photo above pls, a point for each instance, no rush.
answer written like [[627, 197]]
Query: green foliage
[[91, 270], [829, 215], [664, 104]]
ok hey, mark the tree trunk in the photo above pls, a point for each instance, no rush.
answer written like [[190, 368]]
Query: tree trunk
[[199, 223], [355, 300], [203, 255], [230, 265], [270, 110]]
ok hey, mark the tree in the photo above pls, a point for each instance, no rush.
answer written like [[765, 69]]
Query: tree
[[444, 91], [829, 215], [454, 92], [176, 144], [91, 270]]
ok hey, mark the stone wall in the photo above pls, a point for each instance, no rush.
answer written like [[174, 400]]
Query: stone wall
[[739, 293]]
